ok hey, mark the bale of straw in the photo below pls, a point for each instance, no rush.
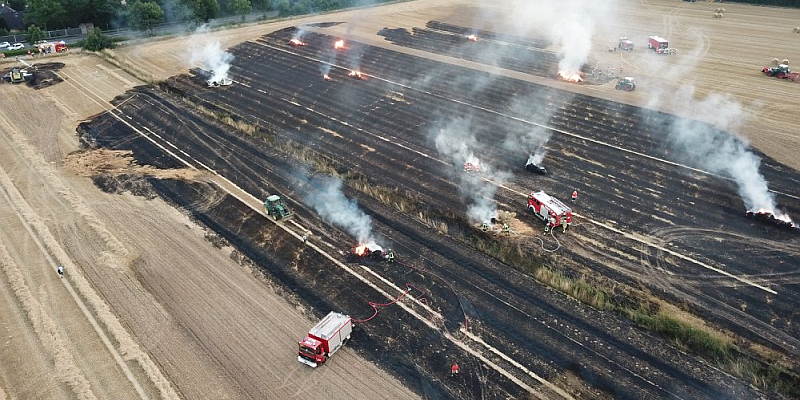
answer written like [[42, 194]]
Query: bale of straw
[[775, 62], [785, 61]]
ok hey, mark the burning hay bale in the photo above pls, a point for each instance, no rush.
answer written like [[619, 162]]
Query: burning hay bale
[[339, 44], [574, 77], [472, 38], [781, 221], [297, 42], [356, 75], [371, 251]]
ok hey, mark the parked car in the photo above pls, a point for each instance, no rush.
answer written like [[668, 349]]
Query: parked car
[[3, 45], [16, 46]]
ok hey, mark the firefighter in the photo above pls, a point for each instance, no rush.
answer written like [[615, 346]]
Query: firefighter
[[485, 226], [568, 221], [390, 256], [575, 196], [454, 370], [506, 230], [305, 238]]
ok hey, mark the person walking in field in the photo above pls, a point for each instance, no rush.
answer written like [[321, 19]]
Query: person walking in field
[[60, 271], [575, 196]]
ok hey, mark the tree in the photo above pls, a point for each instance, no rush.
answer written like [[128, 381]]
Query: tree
[[263, 5], [35, 34], [96, 41], [241, 7], [17, 5], [49, 14], [143, 15], [202, 10]]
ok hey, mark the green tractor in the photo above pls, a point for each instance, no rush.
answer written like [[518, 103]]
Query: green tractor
[[277, 208], [627, 84]]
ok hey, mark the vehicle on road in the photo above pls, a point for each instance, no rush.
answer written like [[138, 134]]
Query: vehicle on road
[[276, 207], [324, 339], [627, 84], [3, 45], [16, 46]]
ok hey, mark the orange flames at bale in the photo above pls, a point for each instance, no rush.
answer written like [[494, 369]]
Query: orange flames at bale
[[472, 38], [356, 75], [296, 42], [360, 250], [570, 76], [326, 77], [339, 44]]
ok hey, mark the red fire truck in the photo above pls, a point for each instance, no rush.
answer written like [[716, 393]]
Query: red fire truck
[[327, 336], [542, 205]]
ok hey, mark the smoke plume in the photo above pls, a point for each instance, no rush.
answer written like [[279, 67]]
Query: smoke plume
[[455, 141], [207, 52], [328, 200], [710, 146]]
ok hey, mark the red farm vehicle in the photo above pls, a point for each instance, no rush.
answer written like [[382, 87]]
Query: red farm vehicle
[[659, 45], [325, 338]]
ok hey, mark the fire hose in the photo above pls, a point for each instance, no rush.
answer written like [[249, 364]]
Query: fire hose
[[375, 306], [558, 244]]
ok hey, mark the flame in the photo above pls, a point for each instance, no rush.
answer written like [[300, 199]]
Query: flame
[[356, 74], [570, 76], [326, 77], [472, 38], [339, 44], [296, 42], [360, 250]]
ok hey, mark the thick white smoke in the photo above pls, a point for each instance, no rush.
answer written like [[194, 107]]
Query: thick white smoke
[[709, 145], [455, 141], [207, 52], [327, 198]]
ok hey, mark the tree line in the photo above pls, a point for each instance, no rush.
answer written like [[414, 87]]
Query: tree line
[[144, 14]]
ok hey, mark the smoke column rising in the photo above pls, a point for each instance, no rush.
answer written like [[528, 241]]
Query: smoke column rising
[[209, 54], [334, 207]]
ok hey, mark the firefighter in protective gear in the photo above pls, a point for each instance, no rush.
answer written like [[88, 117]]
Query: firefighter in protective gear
[[567, 220], [454, 370], [485, 226], [551, 223], [574, 196], [506, 229], [390, 256]]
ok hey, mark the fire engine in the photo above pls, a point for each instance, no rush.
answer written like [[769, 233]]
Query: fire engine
[[542, 205], [327, 336]]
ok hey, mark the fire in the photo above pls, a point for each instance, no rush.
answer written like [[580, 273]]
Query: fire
[[296, 42], [339, 44], [361, 250], [356, 74], [326, 77], [570, 76], [472, 38]]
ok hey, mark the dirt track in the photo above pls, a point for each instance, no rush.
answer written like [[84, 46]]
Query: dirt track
[[111, 239]]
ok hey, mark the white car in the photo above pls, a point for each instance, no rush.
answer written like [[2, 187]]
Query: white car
[[3, 45], [16, 46]]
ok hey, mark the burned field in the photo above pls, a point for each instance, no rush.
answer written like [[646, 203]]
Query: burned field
[[646, 222]]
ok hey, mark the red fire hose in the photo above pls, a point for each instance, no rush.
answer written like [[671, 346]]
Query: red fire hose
[[375, 305]]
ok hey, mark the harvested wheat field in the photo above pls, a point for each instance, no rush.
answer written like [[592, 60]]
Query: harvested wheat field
[[677, 277]]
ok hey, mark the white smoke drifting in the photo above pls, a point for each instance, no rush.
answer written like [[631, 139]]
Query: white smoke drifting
[[334, 207], [708, 145], [207, 52], [455, 141], [537, 157]]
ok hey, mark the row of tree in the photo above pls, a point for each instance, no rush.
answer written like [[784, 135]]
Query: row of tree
[[144, 14]]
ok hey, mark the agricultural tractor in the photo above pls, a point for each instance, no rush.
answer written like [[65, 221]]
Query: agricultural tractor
[[781, 71], [627, 84], [277, 208]]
